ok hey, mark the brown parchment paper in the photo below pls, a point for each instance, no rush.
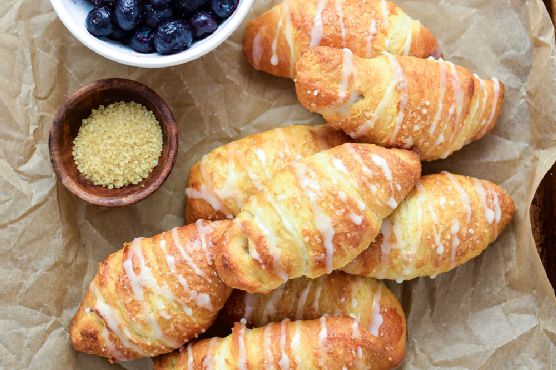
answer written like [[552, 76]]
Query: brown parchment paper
[[495, 312]]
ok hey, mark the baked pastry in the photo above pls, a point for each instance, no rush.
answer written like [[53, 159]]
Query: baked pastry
[[431, 105], [152, 296], [369, 301], [221, 182], [332, 343], [316, 215], [275, 40], [445, 221]]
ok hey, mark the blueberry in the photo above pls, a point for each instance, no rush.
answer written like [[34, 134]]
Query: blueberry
[[203, 23], [100, 21], [120, 35], [99, 3], [127, 14], [159, 2], [142, 40], [172, 37], [186, 7], [154, 16], [223, 8]]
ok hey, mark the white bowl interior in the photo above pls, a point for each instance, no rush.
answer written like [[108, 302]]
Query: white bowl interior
[[74, 12]]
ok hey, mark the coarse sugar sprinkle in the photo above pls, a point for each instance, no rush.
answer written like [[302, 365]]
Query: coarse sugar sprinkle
[[118, 145]]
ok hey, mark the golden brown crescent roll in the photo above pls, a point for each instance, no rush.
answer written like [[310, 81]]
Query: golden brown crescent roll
[[406, 102], [332, 343], [275, 40], [316, 215], [221, 182], [369, 301], [152, 296], [445, 221]]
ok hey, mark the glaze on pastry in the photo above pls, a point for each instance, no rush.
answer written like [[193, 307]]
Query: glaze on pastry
[[430, 105], [444, 222], [275, 40], [316, 215]]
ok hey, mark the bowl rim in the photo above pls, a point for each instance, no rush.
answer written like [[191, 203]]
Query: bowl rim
[[100, 46], [70, 182]]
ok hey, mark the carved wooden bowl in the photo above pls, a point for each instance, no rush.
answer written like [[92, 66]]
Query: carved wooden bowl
[[65, 127]]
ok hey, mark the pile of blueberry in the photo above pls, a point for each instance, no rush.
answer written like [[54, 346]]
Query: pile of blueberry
[[165, 26]]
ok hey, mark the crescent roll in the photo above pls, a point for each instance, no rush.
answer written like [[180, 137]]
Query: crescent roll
[[369, 301], [152, 296], [275, 40], [445, 221], [431, 105], [221, 182], [316, 215], [332, 343]]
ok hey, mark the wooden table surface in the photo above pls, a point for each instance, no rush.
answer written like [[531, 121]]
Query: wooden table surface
[[543, 209]]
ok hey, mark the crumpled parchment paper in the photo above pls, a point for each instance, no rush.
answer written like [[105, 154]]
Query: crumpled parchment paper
[[495, 312]]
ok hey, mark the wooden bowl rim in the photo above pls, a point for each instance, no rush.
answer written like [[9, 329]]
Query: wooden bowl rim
[[168, 124]]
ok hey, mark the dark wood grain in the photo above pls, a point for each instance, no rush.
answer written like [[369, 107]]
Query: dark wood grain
[[66, 126], [543, 208]]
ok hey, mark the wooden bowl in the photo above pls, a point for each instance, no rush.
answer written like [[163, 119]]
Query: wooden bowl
[[65, 127]]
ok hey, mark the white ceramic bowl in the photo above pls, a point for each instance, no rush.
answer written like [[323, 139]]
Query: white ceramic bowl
[[74, 12]]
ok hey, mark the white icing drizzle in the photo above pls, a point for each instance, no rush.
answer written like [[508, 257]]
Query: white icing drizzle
[[402, 87], [317, 29], [241, 350], [496, 87], [288, 33], [381, 162], [317, 295], [484, 90], [384, 9], [250, 303], [347, 72], [355, 218], [257, 49], [190, 363], [284, 359], [229, 189], [340, 165], [285, 217], [113, 321], [146, 279], [442, 93], [455, 242], [303, 300], [270, 308], [489, 213], [376, 319], [274, 57], [386, 245], [295, 345], [462, 193], [340, 12], [171, 262], [208, 361], [323, 223], [355, 333], [203, 232], [110, 347], [407, 45], [271, 240], [186, 257], [204, 193], [267, 341], [370, 37], [456, 85]]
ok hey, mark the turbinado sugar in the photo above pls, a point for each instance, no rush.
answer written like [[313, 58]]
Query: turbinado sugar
[[118, 145]]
